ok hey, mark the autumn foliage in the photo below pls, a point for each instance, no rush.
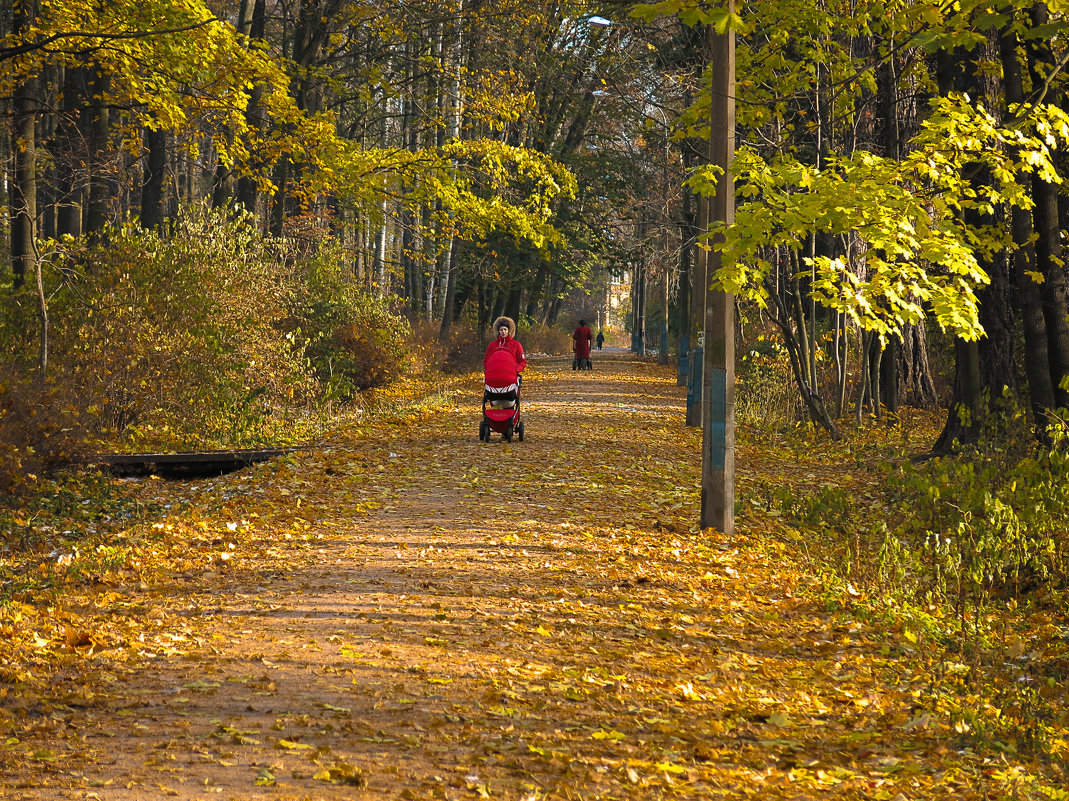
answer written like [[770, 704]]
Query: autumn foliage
[[41, 430], [536, 619], [212, 336]]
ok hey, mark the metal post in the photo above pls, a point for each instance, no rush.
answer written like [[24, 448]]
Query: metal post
[[718, 398], [683, 363], [699, 300], [640, 327], [694, 387], [663, 356]]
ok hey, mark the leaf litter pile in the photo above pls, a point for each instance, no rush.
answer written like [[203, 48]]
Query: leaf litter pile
[[407, 612]]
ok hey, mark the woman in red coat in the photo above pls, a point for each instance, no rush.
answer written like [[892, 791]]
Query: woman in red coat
[[505, 329], [581, 343]]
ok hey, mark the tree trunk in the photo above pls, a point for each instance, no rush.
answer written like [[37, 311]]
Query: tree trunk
[[379, 263], [409, 267], [876, 373], [25, 104], [253, 24], [409, 138], [985, 368], [23, 210], [839, 355], [534, 295], [1053, 291], [427, 260], [69, 143], [512, 304], [784, 312], [892, 142], [152, 189], [449, 303], [222, 183], [500, 297], [453, 108], [686, 293], [554, 311], [96, 124], [1036, 361], [915, 386], [47, 186], [864, 383], [279, 201]]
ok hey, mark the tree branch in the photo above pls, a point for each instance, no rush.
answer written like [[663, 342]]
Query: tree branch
[[7, 53]]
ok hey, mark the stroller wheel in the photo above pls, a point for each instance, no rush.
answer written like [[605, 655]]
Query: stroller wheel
[[519, 431], [507, 436], [484, 431]]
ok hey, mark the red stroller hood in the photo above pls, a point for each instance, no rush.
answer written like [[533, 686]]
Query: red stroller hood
[[500, 369]]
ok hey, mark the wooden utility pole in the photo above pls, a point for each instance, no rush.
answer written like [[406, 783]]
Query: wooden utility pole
[[718, 395]]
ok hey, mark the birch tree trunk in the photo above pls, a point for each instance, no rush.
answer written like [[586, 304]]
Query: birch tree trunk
[[454, 106], [23, 210]]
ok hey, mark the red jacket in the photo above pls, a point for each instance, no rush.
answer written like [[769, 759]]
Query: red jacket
[[512, 346], [582, 338]]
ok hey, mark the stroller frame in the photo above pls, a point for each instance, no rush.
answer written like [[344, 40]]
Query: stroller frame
[[504, 419]]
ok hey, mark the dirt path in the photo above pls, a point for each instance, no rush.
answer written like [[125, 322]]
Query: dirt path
[[410, 613]]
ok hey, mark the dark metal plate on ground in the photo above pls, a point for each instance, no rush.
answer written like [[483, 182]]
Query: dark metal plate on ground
[[185, 465]]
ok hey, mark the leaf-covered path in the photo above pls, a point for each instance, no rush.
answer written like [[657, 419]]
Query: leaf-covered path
[[411, 613]]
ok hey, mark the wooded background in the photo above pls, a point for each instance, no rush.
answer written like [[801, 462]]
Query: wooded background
[[255, 201]]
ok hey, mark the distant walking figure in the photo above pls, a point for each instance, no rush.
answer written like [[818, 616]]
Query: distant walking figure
[[600, 339], [581, 338]]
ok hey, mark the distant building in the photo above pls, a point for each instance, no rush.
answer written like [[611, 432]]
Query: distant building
[[619, 291]]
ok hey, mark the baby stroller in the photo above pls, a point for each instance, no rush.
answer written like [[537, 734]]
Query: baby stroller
[[501, 398]]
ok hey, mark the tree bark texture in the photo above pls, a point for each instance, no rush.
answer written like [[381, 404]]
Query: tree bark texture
[[1036, 360]]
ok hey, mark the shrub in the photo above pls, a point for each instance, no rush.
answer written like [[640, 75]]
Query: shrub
[[352, 340], [460, 351], [177, 338], [765, 391], [544, 339], [213, 336], [968, 530], [40, 430], [201, 339]]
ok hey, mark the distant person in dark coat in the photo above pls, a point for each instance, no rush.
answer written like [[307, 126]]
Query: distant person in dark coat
[[601, 339]]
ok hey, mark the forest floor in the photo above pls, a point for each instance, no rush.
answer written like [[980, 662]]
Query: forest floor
[[405, 612]]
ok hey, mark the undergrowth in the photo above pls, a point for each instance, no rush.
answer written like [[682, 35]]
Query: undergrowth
[[64, 530], [765, 391], [544, 339], [964, 560], [212, 337]]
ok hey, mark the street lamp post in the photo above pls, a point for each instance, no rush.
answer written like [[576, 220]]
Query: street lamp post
[[718, 396], [663, 357]]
